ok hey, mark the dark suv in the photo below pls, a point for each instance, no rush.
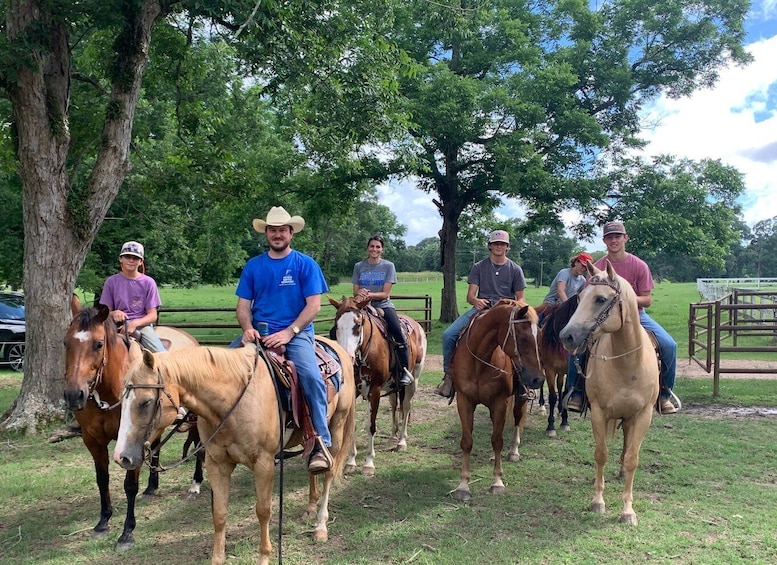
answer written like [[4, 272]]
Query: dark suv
[[12, 330]]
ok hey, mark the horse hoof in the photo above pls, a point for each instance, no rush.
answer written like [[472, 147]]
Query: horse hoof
[[564, 427], [597, 507], [100, 534], [368, 471], [496, 489], [401, 447], [542, 411], [321, 535], [122, 546], [462, 495], [513, 457], [628, 519], [349, 469], [550, 433]]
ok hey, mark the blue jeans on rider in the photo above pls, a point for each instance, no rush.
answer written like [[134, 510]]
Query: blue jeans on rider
[[300, 351], [451, 335], [666, 345], [150, 340]]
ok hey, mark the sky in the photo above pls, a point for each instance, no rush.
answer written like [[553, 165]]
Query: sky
[[735, 121]]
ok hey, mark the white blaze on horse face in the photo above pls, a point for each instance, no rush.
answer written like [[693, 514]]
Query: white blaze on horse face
[[82, 336], [125, 426], [346, 336], [535, 332]]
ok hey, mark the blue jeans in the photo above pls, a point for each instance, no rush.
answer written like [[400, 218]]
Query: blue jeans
[[150, 340], [666, 345], [300, 351], [451, 335]]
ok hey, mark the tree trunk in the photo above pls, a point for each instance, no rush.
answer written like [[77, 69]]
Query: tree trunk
[[56, 243], [449, 310]]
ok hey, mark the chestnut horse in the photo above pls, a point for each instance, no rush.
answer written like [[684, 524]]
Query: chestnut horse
[[555, 360], [96, 358], [621, 376], [234, 396], [496, 360], [376, 369]]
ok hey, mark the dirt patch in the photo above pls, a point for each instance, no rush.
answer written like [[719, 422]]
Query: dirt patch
[[685, 368]]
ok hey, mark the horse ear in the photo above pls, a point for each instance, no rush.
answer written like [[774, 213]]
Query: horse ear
[[522, 313], [610, 271], [148, 359], [102, 313], [75, 304], [590, 267], [333, 302]]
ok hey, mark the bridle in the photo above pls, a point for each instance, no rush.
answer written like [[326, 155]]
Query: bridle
[[601, 318], [511, 333]]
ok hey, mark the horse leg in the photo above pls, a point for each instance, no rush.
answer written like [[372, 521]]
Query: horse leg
[[561, 381], [519, 414], [368, 469], [131, 488], [599, 425], [542, 410], [100, 456], [498, 417], [193, 439], [550, 431], [321, 533], [264, 470], [404, 412], [219, 475], [633, 433], [153, 475], [467, 417]]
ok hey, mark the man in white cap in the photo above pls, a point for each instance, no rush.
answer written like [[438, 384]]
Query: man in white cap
[[133, 297], [283, 289], [489, 280]]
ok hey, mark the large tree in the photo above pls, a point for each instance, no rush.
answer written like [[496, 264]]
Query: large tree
[[73, 124], [516, 98]]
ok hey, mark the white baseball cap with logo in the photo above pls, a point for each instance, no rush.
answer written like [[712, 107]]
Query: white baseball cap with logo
[[499, 235], [132, 248]]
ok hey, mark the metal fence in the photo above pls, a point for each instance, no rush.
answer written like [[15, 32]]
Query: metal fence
[[742, 321]]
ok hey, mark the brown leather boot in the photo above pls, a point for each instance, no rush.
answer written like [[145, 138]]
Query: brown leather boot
[[445, 388]]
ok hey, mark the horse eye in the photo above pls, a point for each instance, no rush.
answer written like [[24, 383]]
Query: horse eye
[[601, 299], [145, 404], [98, 345]]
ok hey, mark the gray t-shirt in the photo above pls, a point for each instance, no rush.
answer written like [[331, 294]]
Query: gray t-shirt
[[497, 281], [373, 277], [573, 285]]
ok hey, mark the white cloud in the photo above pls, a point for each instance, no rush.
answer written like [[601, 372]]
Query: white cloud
[[735, 122]]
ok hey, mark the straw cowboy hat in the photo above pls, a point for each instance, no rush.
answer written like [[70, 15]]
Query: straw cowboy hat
[[278, 216]]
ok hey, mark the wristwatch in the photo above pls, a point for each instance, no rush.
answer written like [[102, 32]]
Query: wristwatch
[[294, 329]]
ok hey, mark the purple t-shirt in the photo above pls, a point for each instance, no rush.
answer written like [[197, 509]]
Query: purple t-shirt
[[633, 269], [134, 297]]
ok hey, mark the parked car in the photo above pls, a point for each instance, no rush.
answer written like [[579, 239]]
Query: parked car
[[12, 330]]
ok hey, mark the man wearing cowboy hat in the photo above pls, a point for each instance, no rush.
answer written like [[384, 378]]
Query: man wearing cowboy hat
[[283, 289]]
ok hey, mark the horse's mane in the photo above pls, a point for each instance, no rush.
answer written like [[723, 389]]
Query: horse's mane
[[201, 364], [531, 313], [554, 322]]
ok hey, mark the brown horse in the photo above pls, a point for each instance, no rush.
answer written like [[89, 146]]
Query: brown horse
[[96, 358], [358, 332], [622, 374], [496, 360], [233, 393], [555, 360]]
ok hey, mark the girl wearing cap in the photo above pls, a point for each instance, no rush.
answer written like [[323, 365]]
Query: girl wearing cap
[[567, 283]]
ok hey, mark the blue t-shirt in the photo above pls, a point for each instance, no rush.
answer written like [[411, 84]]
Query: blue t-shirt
[[278, 288]]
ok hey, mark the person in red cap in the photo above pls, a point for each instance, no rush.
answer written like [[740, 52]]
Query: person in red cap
[[637, 273], [566, 284], [489, 280]]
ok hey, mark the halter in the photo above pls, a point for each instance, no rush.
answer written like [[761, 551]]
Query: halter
[[600, 319], [511, 332]]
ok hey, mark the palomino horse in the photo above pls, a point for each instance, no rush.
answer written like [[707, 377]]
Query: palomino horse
[[555, 361], [96, 358], [234, 396], [622, 374], [359, 334], [496, 359]]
